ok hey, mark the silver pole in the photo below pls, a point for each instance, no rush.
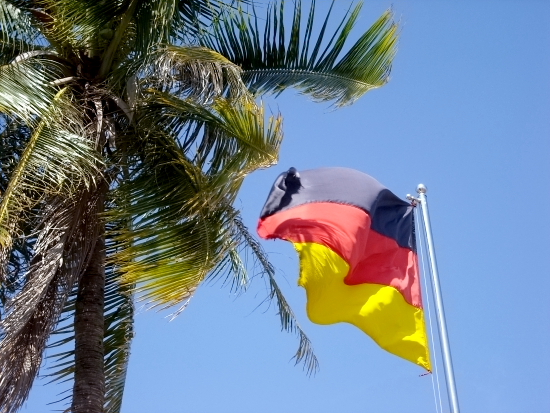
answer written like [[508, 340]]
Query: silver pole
[[444, 340]]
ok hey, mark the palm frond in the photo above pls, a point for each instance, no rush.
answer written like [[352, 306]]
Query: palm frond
[[173, 243], [196, 16], [228, 134], [22, 353], [304, 354], [13, 139], [79, 23], [181, 226], [272, 62], [67, 235], [186, 72], [145, 26], [122, 37], [56, 161], [196, 72], [154, 24], [25, 88], [16, 29], [154, 197]]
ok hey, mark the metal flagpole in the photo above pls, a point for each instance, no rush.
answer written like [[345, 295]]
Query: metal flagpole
[[444, 340]]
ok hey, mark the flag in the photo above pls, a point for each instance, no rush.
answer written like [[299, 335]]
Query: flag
[[357, 250]]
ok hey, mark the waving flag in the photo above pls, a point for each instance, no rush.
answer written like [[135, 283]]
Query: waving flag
[[357, 251]]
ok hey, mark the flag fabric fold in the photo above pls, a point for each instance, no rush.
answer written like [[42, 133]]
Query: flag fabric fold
[[357, 250]]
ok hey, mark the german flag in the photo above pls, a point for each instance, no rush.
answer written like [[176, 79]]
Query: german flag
[[357, 252]]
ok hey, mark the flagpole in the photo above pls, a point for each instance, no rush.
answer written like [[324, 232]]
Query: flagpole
[[444, 339]]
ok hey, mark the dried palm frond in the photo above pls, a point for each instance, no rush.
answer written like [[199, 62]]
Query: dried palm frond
[[68, 233], [197, 72]]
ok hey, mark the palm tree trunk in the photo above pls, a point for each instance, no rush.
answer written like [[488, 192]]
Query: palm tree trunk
[[89, 376]]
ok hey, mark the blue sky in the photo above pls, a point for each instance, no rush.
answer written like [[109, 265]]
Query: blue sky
[[467, 112]]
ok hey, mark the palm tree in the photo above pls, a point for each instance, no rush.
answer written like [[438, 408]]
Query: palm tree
[[127, 128]]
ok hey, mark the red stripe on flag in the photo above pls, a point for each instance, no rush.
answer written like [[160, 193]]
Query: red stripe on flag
[[373, 258]]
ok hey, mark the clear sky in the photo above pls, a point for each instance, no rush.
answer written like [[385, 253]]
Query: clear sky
[[467, 112]]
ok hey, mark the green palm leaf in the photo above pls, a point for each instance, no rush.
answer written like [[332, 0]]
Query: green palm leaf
[[56, 161], [26, 89], [181, 223], [172, 21], [13, 140], [154, 24], [172, 245], [16, 29], [272, 62], [194, 17], [75, 24], [233, 132]]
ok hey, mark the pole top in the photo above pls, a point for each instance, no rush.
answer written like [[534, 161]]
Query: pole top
[[421, 189]]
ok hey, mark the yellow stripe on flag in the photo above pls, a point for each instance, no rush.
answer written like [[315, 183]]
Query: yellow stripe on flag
[[379, 310]]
